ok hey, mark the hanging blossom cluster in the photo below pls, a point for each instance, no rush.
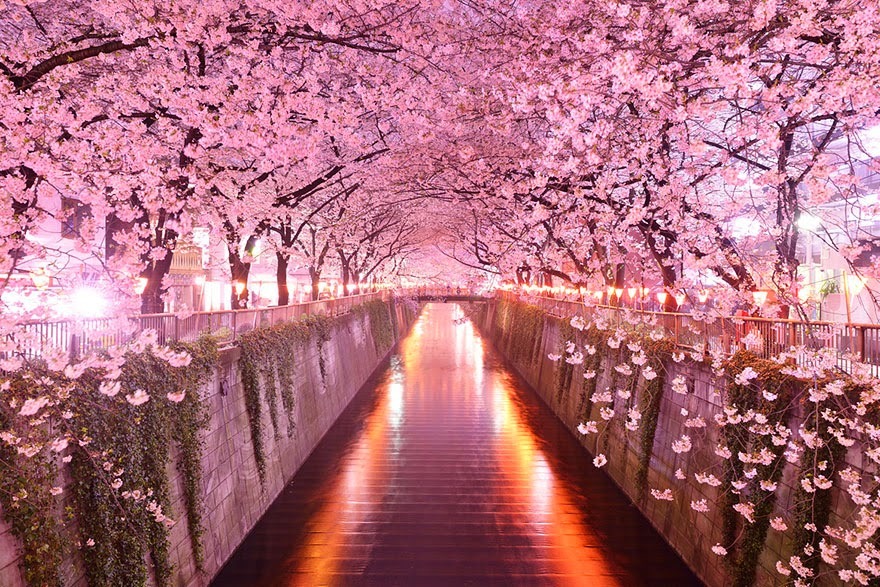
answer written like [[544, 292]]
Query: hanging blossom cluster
[[841, 409], [43, 403]]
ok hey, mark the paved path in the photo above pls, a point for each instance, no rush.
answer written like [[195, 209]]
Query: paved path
[[449, 471]]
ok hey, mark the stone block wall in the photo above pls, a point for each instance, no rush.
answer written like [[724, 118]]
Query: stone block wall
[[234, 498], [692, 534]]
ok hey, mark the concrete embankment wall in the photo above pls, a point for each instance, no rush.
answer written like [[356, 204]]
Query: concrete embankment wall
[[234, 497], [563, 387]]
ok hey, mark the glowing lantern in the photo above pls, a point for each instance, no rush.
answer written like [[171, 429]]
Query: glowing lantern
[[40, 278]]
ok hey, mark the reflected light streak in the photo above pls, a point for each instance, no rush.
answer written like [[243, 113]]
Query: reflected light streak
[[348, 501], [395, 404], [546, 509]]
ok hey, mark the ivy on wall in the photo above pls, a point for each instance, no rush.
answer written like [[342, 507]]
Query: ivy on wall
[[28, 507], [520, 329], [381, 324], [565, 372], [120, 491], [747, 540], [659, 353], [812, 510], [268, 360]]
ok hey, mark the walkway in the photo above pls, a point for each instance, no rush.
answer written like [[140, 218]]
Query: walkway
[[448, 471]]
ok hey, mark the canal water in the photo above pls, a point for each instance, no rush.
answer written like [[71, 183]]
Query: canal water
[[447, 469]]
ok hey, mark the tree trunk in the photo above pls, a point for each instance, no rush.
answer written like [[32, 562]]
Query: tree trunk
[[315, 276], [281, 277], [346, 271], [154, 273], [240, 271], [151, 297]]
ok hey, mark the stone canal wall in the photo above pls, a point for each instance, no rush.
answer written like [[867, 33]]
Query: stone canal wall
[[329, 369], [643, 459]]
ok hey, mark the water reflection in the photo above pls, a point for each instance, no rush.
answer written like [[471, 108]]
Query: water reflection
[[450, 472]]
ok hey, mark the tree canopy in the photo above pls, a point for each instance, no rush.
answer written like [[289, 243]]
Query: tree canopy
[[680, 145]]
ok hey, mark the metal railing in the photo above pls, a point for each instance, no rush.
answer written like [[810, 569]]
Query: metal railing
[[79, 337], [766, 337], [442, 292]]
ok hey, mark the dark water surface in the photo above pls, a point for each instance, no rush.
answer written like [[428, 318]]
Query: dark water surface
[[448, 470]]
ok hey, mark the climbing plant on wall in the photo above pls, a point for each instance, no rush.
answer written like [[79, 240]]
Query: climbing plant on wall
[[796, 411], [381, 325], [746, 511], [114, 421], [658, 353], [29, 508], [268, 360]]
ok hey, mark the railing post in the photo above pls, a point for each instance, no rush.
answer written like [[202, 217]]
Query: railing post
[[861, 343], [73, 350], [677, 318], [792, 335]]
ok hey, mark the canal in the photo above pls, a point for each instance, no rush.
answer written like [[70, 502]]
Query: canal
[[446, 469]]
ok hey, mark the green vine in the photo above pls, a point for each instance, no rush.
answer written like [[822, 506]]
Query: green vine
[[521, 328], [27, 506], [745, 551], [191, 417], [565, 371], [119, 455], [595, 338], [381, 324], [815, 508], [652, 399], [133, 443], [267, 362]]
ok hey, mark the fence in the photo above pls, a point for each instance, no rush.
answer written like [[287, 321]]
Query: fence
[[78, 337], [449, 291], [766, 337]]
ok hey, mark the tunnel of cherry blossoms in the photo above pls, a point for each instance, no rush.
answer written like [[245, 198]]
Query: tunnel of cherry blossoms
[[439, 292]]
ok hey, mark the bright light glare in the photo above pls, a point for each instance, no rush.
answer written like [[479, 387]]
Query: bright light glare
[[743, 226], [87, 302], [809, 222]]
